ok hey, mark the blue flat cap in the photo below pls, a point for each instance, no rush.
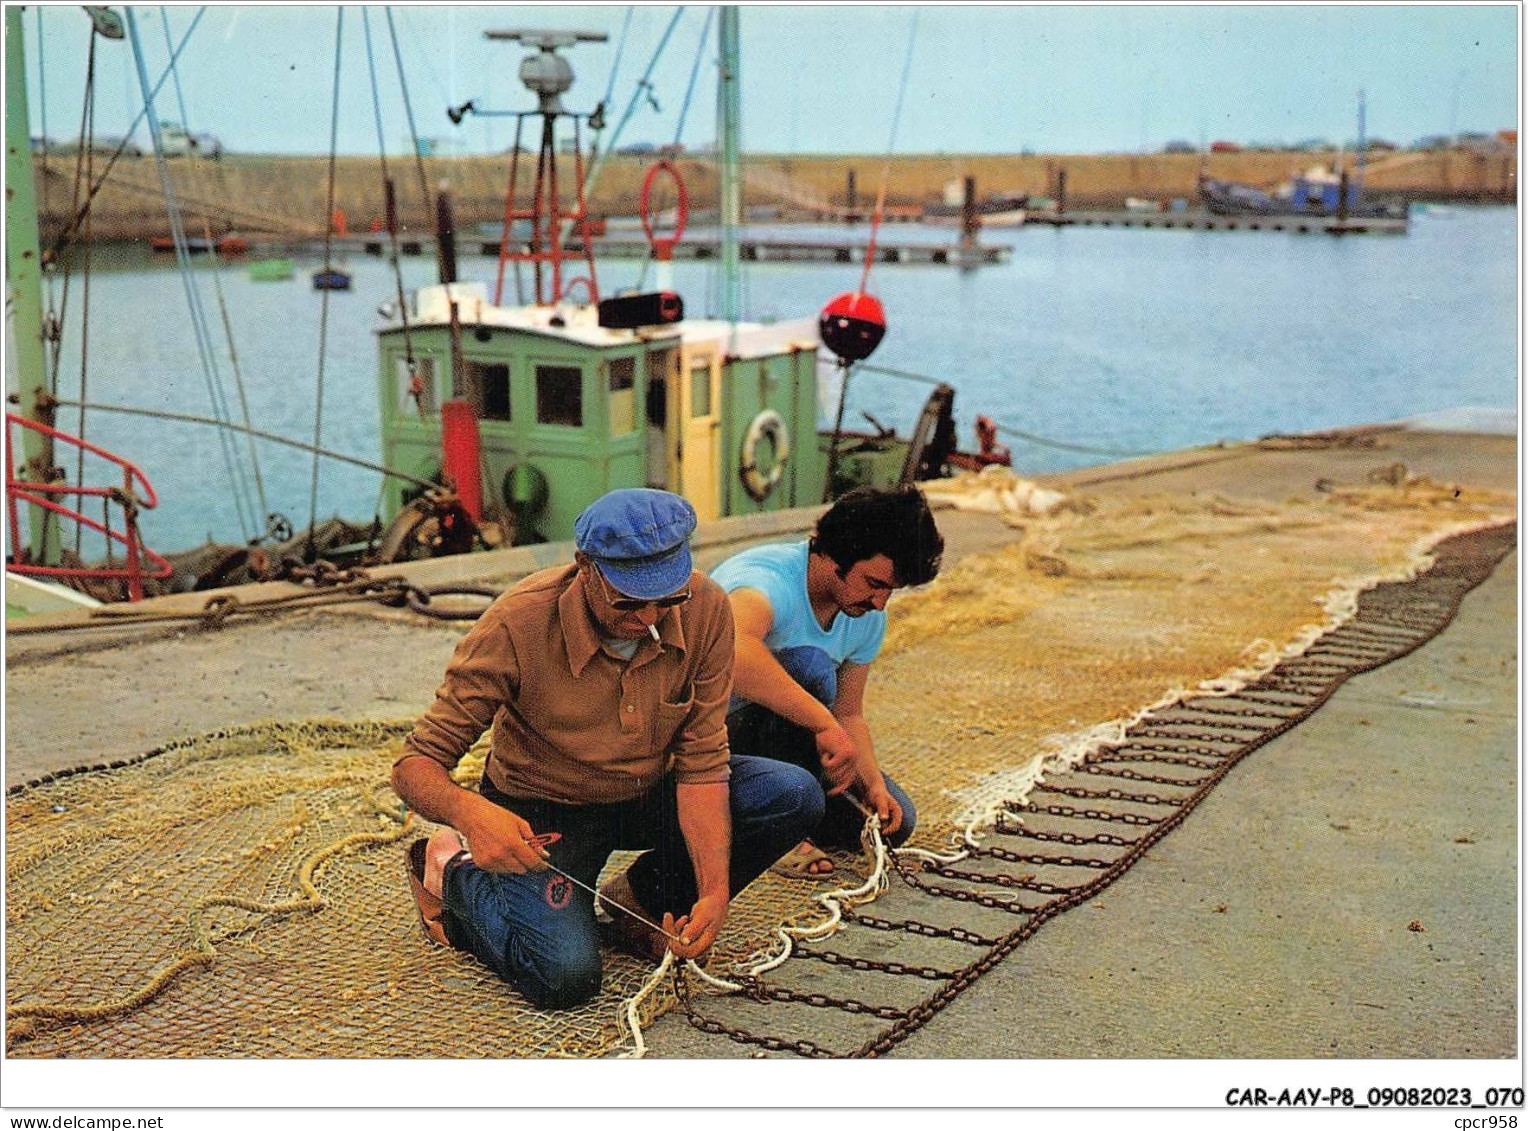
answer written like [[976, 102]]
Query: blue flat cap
[[640, 540]]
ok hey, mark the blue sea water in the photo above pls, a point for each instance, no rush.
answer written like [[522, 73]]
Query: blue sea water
[[1122, 341]]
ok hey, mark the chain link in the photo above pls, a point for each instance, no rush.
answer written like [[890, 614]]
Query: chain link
[[854, 962], [1108, 794], [913, 926], [1397, 617], [1006, 829], [1039, 858]]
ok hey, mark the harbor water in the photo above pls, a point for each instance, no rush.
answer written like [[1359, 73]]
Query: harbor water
[[1114, 342]]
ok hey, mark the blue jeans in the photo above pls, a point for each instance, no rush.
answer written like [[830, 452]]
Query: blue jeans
[[537, 930], [757, 732]]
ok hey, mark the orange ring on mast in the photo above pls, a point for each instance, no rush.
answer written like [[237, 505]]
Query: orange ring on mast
[[663, 247]]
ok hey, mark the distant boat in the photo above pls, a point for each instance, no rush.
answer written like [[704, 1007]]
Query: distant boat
[[270, 270], [225, 245], [1316, 192], [332, 280], [1000, 210]]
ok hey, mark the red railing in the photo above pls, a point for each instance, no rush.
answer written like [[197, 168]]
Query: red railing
[[135, 493]]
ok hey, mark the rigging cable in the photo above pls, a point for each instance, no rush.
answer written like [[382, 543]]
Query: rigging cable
[[217, 286], [1041, 441], [845, 365], [83, 161], [598, 164], [57, 317], [274, 437], [416, 386], [408, 109], [193, 298], [891, 145], [323, 316], [620, 50], [392, 218], [87, 250], [64, 237]]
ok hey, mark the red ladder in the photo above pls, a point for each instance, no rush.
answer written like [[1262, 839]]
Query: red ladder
[[141, 561]]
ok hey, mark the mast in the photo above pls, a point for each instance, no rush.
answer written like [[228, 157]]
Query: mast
[[1363, 150], [729, 142], [23, 270]]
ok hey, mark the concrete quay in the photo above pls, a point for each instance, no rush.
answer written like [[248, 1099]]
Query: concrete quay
[[1349, 891]]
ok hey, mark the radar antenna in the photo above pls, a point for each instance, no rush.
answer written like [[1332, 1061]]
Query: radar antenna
[[548, 76]]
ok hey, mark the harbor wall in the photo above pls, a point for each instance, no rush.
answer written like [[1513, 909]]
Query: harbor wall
[[288, 196]]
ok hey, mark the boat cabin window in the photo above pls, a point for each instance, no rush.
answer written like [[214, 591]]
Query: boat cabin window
[[488, 389], [560, 395], [700, 389], [425, 368], [623, 396]]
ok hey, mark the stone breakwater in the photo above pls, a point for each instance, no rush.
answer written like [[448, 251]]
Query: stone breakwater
[[287, 196]]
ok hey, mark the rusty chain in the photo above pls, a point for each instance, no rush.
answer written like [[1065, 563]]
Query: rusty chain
[[1393, 620]]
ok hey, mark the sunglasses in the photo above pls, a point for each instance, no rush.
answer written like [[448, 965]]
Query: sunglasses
[[626, 604]]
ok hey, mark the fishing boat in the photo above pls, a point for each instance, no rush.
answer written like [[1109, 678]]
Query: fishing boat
[[1318, 192], [500, 421], [530, 411]]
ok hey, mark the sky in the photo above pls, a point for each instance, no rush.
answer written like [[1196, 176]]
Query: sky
[[816, 79]]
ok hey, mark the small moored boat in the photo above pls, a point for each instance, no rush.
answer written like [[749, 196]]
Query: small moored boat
[[270, 270], [331, 280]]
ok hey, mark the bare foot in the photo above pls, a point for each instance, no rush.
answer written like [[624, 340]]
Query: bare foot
[[441, 847]]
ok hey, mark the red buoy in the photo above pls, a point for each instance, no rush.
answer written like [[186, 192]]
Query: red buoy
[[852, 325]]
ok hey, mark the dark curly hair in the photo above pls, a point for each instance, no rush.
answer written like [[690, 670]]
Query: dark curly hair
[[869, 520]]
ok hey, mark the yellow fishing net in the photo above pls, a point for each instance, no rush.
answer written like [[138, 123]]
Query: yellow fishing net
[[243, 894]]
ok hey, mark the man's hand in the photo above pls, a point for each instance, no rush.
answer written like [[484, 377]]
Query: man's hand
[[697, 930], [499, 840], [879, 798], [839, 754]]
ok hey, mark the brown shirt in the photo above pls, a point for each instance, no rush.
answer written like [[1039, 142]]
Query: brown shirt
[[571, 722]]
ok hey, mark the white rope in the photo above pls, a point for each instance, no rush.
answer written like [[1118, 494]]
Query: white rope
[[629, 1011], [834, 901]]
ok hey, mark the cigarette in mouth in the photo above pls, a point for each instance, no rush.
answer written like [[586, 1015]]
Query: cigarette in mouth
[[652, 630]]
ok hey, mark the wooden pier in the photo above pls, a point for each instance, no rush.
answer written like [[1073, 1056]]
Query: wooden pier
[[1210, 222]]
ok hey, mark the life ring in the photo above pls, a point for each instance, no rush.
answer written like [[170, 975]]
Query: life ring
[[758, 483]]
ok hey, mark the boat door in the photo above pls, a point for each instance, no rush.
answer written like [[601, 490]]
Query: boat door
[[662, 400], [699, 425]]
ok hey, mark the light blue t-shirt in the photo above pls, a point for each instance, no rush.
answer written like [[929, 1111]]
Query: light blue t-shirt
[[779, 572]]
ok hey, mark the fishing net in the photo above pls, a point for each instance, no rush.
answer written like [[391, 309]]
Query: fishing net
[[243, 893]]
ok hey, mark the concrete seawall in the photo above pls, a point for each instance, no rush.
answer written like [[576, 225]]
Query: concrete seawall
[[287, 196]]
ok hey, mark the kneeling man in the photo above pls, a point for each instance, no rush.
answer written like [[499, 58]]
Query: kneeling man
[[810, 621], [606, 683]]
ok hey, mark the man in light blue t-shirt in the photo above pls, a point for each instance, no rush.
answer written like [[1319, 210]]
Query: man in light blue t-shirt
[[810, 621]]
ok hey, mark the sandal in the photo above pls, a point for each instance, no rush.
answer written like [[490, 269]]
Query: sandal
[[432, 911], [804, 862]]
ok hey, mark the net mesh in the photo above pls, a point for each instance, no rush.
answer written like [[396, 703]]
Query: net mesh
[[243, 893]]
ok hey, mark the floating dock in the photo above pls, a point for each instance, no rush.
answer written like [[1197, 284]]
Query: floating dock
[[751, 250], [1210, 222]]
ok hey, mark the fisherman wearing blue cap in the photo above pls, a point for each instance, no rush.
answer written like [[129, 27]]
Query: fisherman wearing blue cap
[[606, 685]]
